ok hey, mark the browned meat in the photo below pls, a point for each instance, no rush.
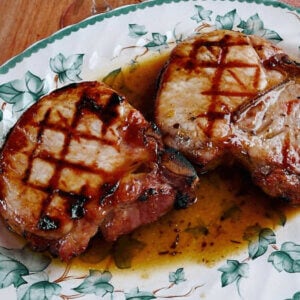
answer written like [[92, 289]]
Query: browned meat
[[82, 159], [224, 95]]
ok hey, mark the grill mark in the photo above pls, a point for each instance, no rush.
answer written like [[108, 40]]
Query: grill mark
[[285, 151], [215, 89], [60, 165], [192, 63], [41, 127], [224, 42], [224, 45], [74, 166], [256, 77], [237, 79], [76, 134], [107, 114]]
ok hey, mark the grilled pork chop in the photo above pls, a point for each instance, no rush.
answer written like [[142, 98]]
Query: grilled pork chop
[[81, 160], [225, 95]]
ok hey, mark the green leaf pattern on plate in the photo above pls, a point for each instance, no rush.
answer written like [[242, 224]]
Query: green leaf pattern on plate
[[259, 240], [67, 69], [24, 255], [37, 286], [11, 272], [22, 93], [296, 296], [287, 258], [254, 25], [136, 30], [157, 40], [233, 271], [177, 276], [202, 14], [228, 21], [136, 294], [96, 283]]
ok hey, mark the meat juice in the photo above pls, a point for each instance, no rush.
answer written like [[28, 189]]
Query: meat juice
[[213, 229]]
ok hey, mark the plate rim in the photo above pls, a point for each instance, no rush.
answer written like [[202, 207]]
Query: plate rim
[[92, 20]]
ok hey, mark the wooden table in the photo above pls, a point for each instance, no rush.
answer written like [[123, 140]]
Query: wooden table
[[24, 22]]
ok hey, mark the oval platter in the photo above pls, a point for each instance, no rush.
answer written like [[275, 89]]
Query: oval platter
[[268, 268]]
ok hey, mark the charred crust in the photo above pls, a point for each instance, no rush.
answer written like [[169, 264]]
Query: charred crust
[[285, 199], [146, 194], [46, 223], [77, 208], [107, 113], [155, 128], [116, 99], [182, 200], [108, 189]]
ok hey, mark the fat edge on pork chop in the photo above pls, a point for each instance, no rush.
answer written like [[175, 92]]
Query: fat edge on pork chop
[[225, 96], [83, 160]]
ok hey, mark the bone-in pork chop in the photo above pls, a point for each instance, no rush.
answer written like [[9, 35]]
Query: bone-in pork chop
[[224, 95], [82, 159]]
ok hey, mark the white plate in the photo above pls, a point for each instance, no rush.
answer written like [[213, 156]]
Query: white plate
[[269, 268]]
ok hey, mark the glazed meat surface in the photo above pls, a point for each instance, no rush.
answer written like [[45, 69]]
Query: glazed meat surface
[[226, 96], [82, 159]]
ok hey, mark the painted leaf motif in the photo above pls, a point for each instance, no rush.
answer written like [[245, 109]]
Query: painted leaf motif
[[228, 21], [296, 296], [35, 85], [254, 25], [259, 240], [201, 14], [23, 101], [67, 69], [38, 286], [22, 93], [136, 30], [24, 255], [233, 271], [136, 294], [42, 290], [96, 283], [10, 91], [177, 276], [157, 40], [287, 258], [11, 272]]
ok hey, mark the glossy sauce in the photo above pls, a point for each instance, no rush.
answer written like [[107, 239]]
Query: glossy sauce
[[210, 230]]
